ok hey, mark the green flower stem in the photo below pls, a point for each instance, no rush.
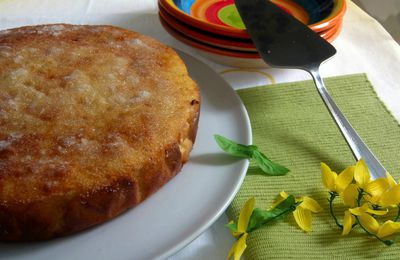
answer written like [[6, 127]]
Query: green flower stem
[[360, 196], [331, 199], [398, 214], [386, 242]]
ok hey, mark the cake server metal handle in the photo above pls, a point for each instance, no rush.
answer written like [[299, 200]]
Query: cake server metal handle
[[284, 42], [357, 145]]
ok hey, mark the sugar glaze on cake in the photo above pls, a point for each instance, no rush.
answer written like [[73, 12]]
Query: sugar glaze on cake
[[93, 119]]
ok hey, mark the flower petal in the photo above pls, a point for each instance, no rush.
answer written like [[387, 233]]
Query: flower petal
[[390, 180], [348, 221], [366, 209], [388, 228], [369, 223], [238, 248], [303, 218], [358, 211], [328, 177], [284, 195], [361, 173], [281, 197], [344, 178], [391, 197], [310, 204], [377, 212], [375, 189], [349, 195], [245, 214]]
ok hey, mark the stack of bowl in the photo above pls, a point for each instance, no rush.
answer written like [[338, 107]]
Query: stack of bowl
[[215, 28]]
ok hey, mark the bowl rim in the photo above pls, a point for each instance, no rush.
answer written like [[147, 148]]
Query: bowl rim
[[200, 7], [219, 40], [205, 47], [204, 25], [205, 36], [334, 17], [336, 33], [326, 34]]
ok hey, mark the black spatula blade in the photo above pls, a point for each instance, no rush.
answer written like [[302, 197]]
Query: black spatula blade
[[281, 39]]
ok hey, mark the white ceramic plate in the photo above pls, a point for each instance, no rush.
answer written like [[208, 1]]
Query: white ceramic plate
[[181, 210]]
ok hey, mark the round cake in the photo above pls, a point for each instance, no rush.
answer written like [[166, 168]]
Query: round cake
[[93, 120]]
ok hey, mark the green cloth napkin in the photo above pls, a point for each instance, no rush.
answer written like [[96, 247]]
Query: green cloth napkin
[[292, 127]]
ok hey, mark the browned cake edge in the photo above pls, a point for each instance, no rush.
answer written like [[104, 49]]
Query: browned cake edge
[[21, 222], [80, 211], [68, 213]]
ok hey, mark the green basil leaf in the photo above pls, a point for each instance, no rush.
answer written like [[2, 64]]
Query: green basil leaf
[[235, 149], [268, 166], [250, 152], [232, 226], [260, 217]]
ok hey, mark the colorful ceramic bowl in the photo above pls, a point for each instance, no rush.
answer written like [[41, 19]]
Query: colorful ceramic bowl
[[213, 31], [224, 57], [205, 36], [221, 17], [240, 59], [206, 47], [205, 25], [221, 41]]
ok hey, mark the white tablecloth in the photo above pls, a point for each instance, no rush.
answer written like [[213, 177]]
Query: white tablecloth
[[363, 46]]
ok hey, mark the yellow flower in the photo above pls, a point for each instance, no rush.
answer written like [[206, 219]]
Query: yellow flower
[[349, 195], [390, 180], [375, 189], [369, 223], [348, 221], [243, 221], [328, 177], [388, 228], [238, 248], [391, 197], [354, 186], [334, 182], [366, 209], [302, 213], [366, 220], [361, 174], [244, 216]]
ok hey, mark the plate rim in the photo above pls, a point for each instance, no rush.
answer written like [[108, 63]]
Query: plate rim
[[239, 182]]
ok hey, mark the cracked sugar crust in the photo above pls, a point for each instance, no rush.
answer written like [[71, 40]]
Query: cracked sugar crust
[[81, 106]]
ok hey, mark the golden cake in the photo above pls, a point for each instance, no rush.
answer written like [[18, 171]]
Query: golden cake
[[93, 120]]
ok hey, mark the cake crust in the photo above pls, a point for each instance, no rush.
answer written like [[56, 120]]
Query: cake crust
[[93, 120]]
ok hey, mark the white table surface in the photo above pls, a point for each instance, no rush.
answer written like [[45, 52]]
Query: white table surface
[[362, 47]]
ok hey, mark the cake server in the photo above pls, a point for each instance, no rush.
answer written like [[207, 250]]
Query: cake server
[[285, 42]]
